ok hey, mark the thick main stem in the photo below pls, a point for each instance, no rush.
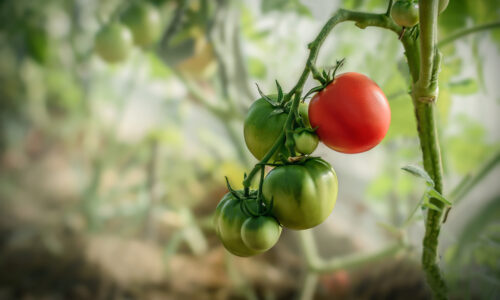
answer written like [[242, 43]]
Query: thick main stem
[[424, 94]]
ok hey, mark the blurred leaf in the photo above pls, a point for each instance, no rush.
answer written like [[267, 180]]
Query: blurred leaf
[[468, 147], [37, 44], [256, 68], [419, 172], [158, 68], [285, 5], [464, 87], [380, 187], [437, 195]]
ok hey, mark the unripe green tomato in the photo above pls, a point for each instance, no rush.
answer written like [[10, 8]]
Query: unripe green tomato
[[405, 13], [113, 43], [303, 194], [304, 113], [263, 126], [230, 220], [260, 233], [143, 19], [305, 142]]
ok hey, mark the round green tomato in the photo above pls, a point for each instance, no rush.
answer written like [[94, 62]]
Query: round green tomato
[[113, 43], [443, 4], [143, 19], [260, 233], [304, 194], [305, 141], [229, 221], [304, 113], [405, 13], [262, 127], [218, 210]]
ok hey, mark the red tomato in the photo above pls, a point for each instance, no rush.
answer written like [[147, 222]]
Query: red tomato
[[352, 113]]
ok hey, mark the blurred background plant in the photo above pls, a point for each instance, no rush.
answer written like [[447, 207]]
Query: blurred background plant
[[110, 173]]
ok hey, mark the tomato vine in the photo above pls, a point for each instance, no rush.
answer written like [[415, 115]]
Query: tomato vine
[[423, 61]]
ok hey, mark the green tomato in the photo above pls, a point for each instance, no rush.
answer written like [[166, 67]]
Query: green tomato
[[260, 233], [241, 234], [305, 141], [113, 43], [405, 13], [264, 124], [262, 127], [144, 21], [304, 194], [304, 113]]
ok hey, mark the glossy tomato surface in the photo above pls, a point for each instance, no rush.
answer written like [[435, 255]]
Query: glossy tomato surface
[[303, 194], [351, 114]]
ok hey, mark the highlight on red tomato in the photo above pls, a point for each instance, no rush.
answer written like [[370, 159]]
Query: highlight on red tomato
[[351, 114]]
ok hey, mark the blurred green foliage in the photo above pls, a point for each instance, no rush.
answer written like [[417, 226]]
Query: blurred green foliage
[[104, 121]]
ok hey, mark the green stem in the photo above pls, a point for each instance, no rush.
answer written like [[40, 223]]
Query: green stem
[[424, 94], [351, 261], [461, 33]]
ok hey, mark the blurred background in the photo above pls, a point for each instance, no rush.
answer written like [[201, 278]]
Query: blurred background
[[110, 172]]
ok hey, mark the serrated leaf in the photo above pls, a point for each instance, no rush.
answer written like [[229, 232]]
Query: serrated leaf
[[437, 195], [419, 172]]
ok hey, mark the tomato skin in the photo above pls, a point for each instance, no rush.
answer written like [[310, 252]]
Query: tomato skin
[[262, 127], [144, 21], [405, 13], [351, 114], [303, 194], [230, 220], [241, 234], [113, 43], [305, 142], [260, 233]]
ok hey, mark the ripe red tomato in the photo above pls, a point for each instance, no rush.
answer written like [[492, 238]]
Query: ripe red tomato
[[352, 113]]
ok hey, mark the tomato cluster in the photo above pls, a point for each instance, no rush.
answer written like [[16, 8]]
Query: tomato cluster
[[349, 114], [242, 233], [140, 25]]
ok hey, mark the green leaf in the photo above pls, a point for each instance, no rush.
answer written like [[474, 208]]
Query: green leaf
[[431, 206], [256, 68], [437, 195], [158, 68], [285, 5], [464, 87], [419, 172]]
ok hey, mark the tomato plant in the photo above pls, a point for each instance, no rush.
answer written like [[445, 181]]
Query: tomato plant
[[113, 43], [303, 194], [351, 114], [405, 13], [143, 19]]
